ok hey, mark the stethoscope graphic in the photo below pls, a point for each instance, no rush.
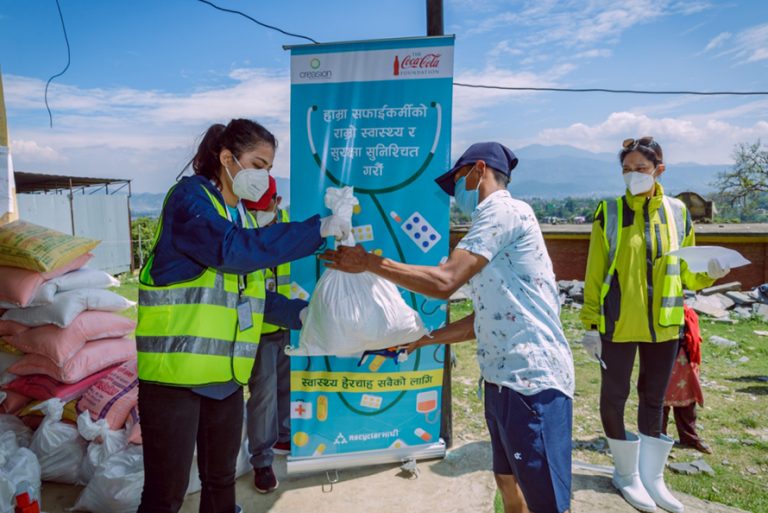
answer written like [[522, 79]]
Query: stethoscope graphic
[[372, 193]]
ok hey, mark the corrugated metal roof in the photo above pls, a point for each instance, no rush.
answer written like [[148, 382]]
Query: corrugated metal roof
[[39, 182]]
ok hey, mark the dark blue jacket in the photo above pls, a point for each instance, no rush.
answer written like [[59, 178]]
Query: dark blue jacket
[[195, 237]]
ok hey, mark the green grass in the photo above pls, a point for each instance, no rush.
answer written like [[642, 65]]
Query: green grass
[[734, 419]]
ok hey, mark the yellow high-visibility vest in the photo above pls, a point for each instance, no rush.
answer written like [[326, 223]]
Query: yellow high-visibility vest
[[188, 333], [281, 282]]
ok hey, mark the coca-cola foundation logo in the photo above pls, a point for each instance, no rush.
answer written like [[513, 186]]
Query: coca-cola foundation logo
[[416, 64]]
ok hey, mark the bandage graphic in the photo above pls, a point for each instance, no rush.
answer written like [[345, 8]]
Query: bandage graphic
[[397, 444], [376, 363], [422, 434], [322, 408], [371, 401]]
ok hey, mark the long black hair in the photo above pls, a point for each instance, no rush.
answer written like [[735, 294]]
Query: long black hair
[[238, 136]]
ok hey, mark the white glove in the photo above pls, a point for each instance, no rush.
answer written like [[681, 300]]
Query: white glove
[[303, 314], [593, 346], [335, 226], [715, 270]]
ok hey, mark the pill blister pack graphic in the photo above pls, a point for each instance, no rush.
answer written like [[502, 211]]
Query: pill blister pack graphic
[[363, 233], [371, 401], [419, 230], [297, 292]]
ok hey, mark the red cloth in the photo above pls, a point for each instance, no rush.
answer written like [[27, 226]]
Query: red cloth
[[692, 335], [684, 387], [265, 199]]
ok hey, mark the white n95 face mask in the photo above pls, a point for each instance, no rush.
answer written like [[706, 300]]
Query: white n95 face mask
[[638, 183], [264, 217], [250, 184]]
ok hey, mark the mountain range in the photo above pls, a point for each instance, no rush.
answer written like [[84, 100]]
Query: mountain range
[[543, 172]]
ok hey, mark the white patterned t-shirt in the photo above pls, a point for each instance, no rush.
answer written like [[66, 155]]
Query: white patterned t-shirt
[[520, 341]]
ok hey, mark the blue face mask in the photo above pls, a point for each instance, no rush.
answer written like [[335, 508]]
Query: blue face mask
[[466, 200]]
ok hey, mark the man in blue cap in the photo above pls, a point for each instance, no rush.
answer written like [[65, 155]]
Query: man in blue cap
[[524, 357]]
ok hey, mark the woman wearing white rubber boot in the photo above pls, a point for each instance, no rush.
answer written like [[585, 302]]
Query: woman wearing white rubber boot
[[626, 477], [633, 304], [653, 458]]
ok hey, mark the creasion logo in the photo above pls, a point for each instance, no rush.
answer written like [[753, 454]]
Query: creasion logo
[[316, 73]]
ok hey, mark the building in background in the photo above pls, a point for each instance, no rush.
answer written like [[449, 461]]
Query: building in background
[[97, 208]]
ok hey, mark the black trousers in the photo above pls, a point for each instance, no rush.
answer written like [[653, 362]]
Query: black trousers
[[173, 421], [685, 420], [656, 362]]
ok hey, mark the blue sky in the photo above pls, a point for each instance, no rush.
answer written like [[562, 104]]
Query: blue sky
[[148, 77]]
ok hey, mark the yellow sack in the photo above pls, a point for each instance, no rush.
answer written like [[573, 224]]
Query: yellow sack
[[37, 248], [5, 347]]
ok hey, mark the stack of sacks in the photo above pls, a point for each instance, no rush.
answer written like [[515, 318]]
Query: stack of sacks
[[58, 316], [63, 344]]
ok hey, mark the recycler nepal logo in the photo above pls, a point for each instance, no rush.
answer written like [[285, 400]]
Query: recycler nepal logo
[[316, 72]]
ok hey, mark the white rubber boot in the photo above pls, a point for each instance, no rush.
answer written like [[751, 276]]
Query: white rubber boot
[[653, 458], [626, 478]]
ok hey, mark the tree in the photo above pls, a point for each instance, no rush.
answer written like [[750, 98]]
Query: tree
[[142, 237], [747, 179]]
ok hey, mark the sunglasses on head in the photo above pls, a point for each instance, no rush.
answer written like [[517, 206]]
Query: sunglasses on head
[[646, 141]]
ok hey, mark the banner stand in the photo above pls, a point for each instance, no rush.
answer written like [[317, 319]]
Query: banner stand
[[360, 459]]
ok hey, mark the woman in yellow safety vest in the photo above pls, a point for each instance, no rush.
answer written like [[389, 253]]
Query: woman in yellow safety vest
[[202, 303], [633, 302]]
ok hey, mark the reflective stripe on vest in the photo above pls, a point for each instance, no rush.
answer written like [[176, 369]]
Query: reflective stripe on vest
[[282, 281], [671, 310], [188, 333]]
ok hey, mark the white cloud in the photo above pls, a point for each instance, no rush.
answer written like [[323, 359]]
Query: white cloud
[[23, 149], [704, 139], [578, 23], [471, 104], [749, 45], [98, 129], [717, 41]]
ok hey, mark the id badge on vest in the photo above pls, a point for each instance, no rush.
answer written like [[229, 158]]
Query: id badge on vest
[[244, 314]]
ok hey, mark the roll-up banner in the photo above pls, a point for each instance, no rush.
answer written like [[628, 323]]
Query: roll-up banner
[[375, 115]]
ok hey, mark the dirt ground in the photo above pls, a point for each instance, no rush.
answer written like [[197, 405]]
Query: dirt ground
[[462, 482]]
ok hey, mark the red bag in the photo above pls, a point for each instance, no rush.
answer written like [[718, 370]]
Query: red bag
[[692, 335]]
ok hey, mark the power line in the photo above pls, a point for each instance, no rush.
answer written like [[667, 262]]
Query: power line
[[616, 91], [66, 38], [233, 11]]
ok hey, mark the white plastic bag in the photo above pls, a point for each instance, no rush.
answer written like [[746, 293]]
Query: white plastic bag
[[116, 486], [58, 446], [104, 443], [18, 465], [12, 424], [350, 313]]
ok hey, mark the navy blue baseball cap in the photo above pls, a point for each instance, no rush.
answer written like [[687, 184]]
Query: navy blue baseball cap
[[494, 154]]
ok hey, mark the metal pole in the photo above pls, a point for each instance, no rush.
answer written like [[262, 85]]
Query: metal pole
[[72, 206], [435, 28], [435, 18]]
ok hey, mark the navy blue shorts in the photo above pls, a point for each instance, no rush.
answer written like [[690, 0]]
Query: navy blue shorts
[[531, 438]]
